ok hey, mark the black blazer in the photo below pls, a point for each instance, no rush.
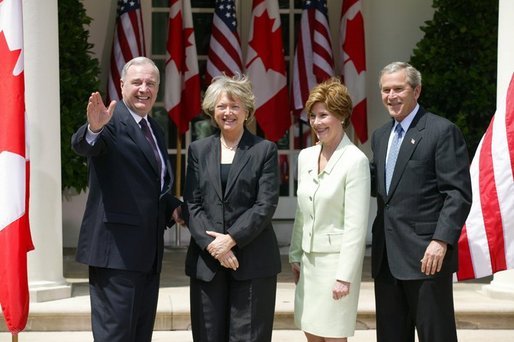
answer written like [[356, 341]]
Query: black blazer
[[244, 211], [429, 196], [126, 211]]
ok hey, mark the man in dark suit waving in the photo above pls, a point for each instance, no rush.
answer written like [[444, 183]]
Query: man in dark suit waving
[[128, 207], [421, 179]]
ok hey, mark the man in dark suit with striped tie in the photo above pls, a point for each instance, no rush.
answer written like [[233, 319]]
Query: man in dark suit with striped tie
[[129, 205], [420, 175]]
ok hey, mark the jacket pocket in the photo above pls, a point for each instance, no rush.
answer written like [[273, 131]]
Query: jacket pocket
[[122, 218], [328, 243], [425, 228]]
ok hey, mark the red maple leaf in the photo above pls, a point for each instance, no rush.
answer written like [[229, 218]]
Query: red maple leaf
[[178, 42], [12, 114], [268, 44], [354, 42]]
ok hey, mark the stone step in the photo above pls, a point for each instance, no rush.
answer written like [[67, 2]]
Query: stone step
[[474, 310]]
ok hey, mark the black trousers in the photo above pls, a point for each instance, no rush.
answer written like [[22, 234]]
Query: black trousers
[[226, 309], [123, 304], [404, 305]]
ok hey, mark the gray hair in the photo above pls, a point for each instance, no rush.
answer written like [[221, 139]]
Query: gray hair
[[236, 87], [413, 75], [140, 61]]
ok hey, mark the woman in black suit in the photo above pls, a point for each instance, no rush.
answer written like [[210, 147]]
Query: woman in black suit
[[231, 192]]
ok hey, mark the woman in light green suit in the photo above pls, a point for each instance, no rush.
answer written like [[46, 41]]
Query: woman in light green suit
[[328, 241]]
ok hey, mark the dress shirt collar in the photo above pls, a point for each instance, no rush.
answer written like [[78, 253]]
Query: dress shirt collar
[[408, 119], [136, 116]]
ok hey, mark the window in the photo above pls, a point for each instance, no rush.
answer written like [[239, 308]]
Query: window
[[290, 11]]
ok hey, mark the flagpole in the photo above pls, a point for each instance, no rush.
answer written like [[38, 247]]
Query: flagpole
[[355, 138], [178, 165], [178, 181]]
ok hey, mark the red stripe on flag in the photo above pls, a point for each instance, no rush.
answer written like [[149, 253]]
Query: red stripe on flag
[[115, 76], [509, 122], [137, 24], [224, 54], [128, 43], [490, 206], [466, 270], [313, 61], [227, 48], [488, 237]]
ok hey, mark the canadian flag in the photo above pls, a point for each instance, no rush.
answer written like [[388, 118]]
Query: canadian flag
[[182, 88], [353, 63], [266, 68], [15, 239]]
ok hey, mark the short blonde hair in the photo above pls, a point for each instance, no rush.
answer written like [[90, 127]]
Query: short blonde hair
[[237, 87], [336, 98]]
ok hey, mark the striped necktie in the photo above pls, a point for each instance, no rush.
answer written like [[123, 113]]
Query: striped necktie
[[393, 154]]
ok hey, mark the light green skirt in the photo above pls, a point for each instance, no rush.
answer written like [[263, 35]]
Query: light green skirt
[[316, 312]]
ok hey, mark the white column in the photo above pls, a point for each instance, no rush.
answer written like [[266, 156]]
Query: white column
[[502, 285], [45, 263]]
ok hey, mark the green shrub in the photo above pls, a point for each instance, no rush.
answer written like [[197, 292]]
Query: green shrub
[[457, 58], [79, 72]]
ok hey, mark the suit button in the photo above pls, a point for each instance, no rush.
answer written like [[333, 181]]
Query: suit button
[[387, 206], [311, 216], [310, 198]]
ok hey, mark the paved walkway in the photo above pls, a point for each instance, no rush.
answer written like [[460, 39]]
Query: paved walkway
[[480, 318], [278, 336]]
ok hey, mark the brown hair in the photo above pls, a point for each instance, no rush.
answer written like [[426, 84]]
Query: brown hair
[[336, 98]]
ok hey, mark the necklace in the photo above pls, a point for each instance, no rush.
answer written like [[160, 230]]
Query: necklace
[[230, 148]]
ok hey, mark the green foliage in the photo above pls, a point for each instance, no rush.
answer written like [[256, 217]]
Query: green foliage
[[78, 77], [457, 58]]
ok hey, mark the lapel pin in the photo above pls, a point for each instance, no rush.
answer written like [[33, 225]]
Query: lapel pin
[[412, 141]]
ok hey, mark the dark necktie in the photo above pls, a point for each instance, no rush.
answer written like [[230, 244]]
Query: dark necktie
[[393, 154], [149, 138]]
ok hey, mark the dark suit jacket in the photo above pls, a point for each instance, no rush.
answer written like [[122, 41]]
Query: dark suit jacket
[[126, 211], [244, 211], [429, 196]]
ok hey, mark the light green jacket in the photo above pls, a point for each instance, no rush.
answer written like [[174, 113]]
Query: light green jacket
[[333, 206]]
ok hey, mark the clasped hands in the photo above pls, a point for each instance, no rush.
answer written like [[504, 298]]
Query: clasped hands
[[221, 250]]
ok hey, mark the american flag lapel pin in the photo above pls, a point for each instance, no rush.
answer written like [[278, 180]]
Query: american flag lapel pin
[[412, 141]]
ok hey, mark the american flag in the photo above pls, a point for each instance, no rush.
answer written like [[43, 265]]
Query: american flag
[[353, 63], [182, 89], [224, 47], [15, 239], [486, 244], [313, 61], [128, 42], [266, 68]]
